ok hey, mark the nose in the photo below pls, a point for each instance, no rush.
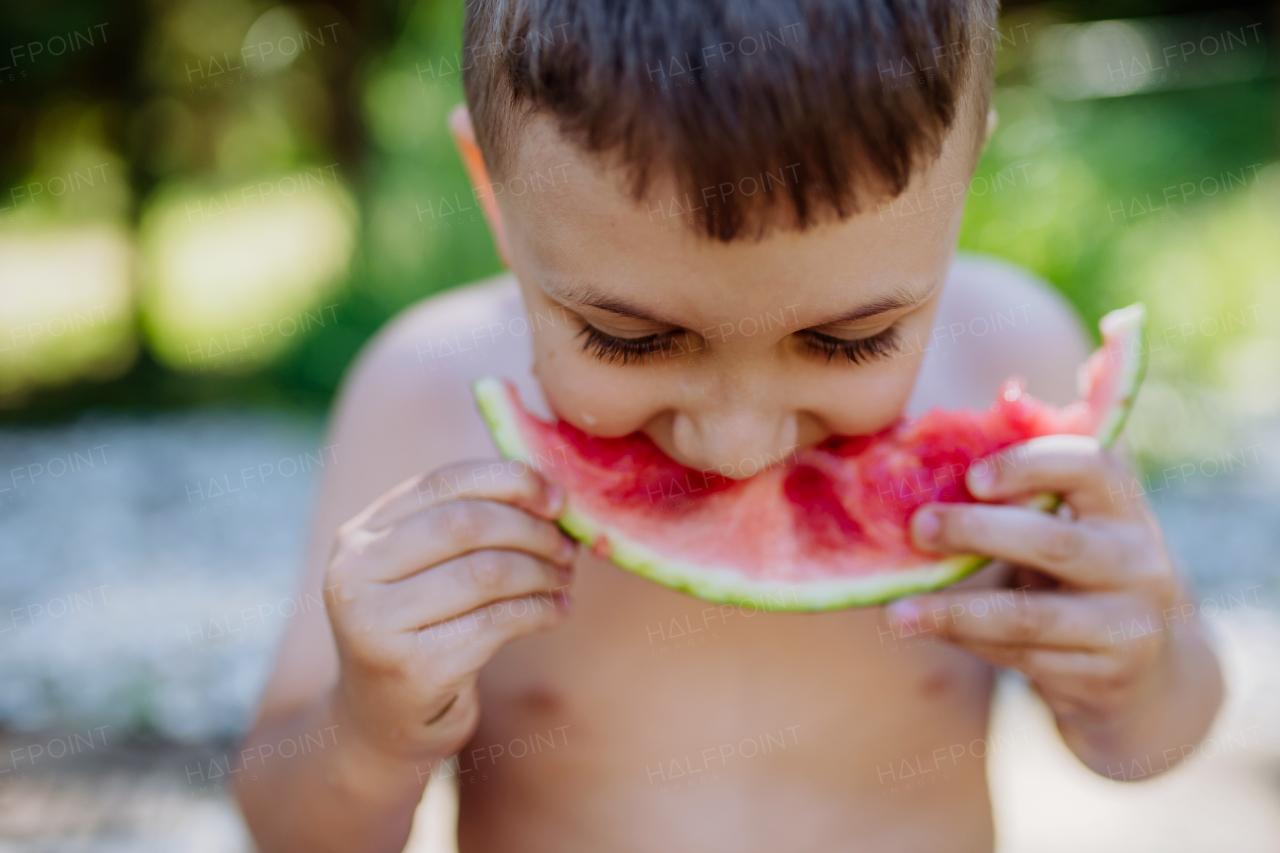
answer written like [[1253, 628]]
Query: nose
[[737, 443]]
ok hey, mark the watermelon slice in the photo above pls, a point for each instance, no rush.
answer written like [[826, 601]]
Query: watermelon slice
[[825, 529]]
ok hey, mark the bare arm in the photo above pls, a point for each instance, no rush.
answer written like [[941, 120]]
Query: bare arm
[[344, 796], [1159, 720], [359, 684], [1114, 648]]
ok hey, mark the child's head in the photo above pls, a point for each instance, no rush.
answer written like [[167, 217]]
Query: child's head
[[740, 212]]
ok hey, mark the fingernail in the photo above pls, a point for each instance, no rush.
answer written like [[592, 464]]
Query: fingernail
[[926, 525], [568, 549], [563, 601], [980, 478], [904, 611], [555, 497]]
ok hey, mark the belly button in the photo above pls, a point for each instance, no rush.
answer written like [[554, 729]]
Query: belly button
[[935, 684], [542, 701]]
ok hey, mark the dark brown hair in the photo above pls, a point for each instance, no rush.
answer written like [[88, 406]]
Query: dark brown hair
[[815, 101]]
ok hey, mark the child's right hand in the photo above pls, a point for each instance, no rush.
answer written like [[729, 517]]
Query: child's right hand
[[426, 585]]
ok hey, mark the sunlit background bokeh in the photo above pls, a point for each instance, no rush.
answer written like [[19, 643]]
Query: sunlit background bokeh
[[192, 183], [220, 201], [208, 206]]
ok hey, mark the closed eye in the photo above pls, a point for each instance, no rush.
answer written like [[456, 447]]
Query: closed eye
[[611, 348], [857, 350]]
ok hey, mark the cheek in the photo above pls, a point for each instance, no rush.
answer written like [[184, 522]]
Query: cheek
[[598, 398], [869, 398], [868, 402]]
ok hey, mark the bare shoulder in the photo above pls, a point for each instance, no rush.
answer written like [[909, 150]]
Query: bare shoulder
[[405, 408], [998, 320], [408, 397], [442, 337]]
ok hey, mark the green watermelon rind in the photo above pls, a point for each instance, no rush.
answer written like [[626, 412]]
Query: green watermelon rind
[[724, 586], [1127, 328]]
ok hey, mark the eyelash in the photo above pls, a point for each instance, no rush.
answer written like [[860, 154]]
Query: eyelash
[[858, 351], [610, 349]]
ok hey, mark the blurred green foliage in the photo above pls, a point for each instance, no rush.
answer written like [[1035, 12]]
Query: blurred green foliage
[[371, 103], [1168, 197]]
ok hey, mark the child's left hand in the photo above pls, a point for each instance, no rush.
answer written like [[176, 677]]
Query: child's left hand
[[1075, 640]]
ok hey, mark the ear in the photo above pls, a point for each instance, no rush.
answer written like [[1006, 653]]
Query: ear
[[464, 136], [993, 119]]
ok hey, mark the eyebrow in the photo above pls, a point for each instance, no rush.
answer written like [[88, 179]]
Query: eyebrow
[[900, 298], [586, 294]]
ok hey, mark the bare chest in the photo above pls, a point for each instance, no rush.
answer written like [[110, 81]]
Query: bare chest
[[679, 708]]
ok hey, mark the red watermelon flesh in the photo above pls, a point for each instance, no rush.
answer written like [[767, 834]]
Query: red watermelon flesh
[[822, 527]]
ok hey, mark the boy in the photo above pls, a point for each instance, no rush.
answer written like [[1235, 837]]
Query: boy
[[449, 626]]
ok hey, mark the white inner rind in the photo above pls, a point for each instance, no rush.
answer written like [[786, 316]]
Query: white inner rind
[[1124, 327]]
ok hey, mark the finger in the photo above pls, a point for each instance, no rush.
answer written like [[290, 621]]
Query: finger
[[1089, 479], [1071, 672], [1014, 617], [1089, 554], [509, 481], [450, 530], [466, 583], [462, 645]]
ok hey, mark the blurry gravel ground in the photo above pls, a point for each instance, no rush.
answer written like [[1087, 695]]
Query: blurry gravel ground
[[129, 578], [124, 588]]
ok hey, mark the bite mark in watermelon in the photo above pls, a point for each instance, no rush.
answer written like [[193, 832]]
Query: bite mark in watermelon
[[829, 527]]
